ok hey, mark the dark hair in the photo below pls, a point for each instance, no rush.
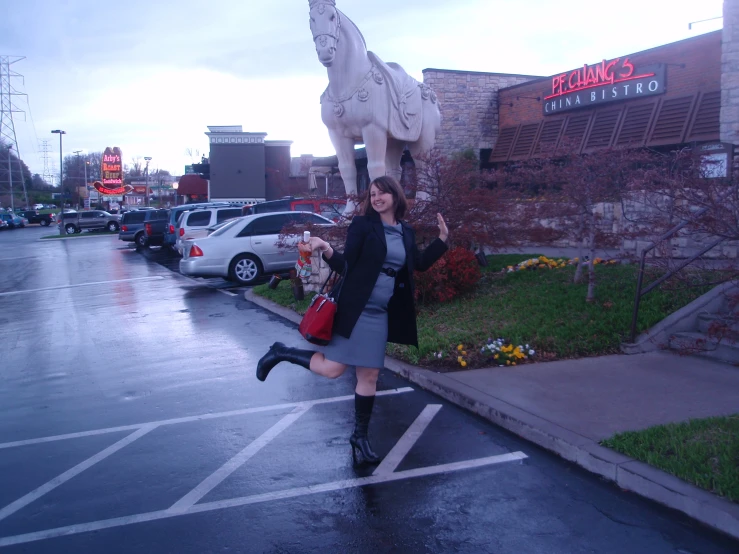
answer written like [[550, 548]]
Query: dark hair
[[387, 184]]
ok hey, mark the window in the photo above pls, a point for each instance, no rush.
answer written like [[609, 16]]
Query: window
[[134, 217], [225, 227], [303, 207], [100, 214], [88, 215], [198, 219], [223, 215], [271, 207], [331, 211], [160, 215], [269, 225]]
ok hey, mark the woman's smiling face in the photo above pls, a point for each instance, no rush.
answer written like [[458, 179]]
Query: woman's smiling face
[[382, 201]]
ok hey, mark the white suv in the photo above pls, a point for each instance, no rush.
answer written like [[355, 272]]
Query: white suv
[[194, 224]]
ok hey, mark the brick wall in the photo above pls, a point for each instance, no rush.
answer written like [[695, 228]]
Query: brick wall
[[701, 56], [730, 77], [469, 107]]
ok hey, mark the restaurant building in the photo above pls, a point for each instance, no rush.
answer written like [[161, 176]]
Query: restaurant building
[[664, 98]]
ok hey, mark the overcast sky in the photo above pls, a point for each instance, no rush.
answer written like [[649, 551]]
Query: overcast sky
[[150, 76]]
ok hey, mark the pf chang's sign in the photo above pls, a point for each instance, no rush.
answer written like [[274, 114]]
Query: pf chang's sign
[[608, 81], [112, 167]]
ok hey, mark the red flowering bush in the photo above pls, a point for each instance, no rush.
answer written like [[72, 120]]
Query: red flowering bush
[[457, 272]]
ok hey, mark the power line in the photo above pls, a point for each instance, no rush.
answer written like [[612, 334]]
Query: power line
[[7, 126]]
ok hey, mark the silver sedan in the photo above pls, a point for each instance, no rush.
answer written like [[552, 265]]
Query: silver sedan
[[246, 248]]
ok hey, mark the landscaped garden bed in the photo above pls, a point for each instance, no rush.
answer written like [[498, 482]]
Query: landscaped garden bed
[[537, 310]]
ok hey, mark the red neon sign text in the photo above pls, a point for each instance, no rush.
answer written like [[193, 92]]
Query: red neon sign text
[[589, 76], [102, 189]]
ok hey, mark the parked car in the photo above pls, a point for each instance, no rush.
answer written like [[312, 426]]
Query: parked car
[[3, 224], [170, 232], [33, 216], [244, 249], [194, 223], [13, 221], [76, 222], [332, 208], [133, 227]]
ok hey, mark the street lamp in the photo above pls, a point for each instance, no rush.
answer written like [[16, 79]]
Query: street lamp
[[175, 186], [63, 231], [148, 159]]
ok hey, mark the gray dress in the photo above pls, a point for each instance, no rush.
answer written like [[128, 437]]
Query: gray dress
[[366, 346]]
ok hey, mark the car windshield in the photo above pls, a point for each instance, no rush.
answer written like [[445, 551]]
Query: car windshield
[[225, 226]]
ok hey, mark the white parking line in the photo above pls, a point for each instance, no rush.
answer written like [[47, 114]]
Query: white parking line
[[69, 474], [213, 480], [410, 437], [257, 498], [12, 293], [195, 418]]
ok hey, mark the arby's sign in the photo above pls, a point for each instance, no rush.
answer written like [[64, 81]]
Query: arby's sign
[[607, 81]]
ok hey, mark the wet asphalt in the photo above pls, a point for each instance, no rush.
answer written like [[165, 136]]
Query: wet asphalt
[[128, 393]]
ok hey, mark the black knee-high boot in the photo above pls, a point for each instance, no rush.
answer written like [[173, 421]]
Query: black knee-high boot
[[277, 353], [359, 441]]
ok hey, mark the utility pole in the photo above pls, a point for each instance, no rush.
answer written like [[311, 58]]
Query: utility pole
[[7, 109], [59, 132], [148, 159], [48, 174]]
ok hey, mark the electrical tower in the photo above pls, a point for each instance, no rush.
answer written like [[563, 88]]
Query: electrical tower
[[7, 127], [49, 173]]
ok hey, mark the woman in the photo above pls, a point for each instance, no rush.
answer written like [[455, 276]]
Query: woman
[[376, 304]]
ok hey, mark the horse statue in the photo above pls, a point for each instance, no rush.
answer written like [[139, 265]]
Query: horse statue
[[368, 101]]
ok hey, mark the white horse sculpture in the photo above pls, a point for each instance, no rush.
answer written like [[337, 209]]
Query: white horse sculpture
[[368, 101]]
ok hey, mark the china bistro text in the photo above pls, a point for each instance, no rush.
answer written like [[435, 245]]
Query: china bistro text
[[112, 169], [607, 81]]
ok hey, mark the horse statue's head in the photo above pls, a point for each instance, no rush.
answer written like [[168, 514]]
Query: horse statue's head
[[325, 24]]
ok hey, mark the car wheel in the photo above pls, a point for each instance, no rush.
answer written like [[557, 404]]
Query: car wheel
[[112, 227], [44, 223], [245, 269], [141, 240], [70, 229]]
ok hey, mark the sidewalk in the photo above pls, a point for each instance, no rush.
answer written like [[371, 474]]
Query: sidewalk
[[568, 406]]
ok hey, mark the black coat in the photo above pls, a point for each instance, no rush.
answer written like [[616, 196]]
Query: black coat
[[365, 253]]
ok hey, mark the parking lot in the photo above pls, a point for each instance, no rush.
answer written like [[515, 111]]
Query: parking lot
[[132, 421]]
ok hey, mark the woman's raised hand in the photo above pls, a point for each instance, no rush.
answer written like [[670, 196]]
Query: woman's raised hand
[[443, 230]]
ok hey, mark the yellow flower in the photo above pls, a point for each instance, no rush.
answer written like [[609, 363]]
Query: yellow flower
[[507, 362], [460, 347], [459, 359], [464, 353], [464, 364], [496, 356], [514, 363]]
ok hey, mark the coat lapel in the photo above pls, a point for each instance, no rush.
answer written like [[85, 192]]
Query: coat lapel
[[408, 243], [379, 229]]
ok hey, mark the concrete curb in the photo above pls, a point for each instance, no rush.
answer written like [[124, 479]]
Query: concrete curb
[[626, 472], [77, 237]]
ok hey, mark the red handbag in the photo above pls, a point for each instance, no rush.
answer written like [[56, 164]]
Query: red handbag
[[317, 325]]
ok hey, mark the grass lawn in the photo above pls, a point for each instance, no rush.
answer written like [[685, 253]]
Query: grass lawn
[[704, 452], [541, 308]]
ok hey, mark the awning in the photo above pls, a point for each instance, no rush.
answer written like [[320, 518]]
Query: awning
[[192, 185]]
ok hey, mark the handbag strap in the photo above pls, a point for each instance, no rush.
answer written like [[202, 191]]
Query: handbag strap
[[336, 291]]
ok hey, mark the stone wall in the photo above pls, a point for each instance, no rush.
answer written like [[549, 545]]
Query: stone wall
[[469, 107], [612, 219], [730, 78]]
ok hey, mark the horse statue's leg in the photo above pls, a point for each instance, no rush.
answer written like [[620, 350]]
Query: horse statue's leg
[[347, 168], [375, 141], [392, 158], [424, 144]]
